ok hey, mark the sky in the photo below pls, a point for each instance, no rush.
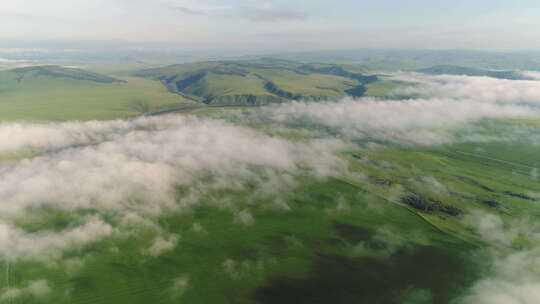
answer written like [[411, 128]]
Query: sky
[[278, 24]]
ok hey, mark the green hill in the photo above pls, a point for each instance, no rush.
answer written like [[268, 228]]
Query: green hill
[[261, 81], [458, 70], [59, 93], [55, 71]]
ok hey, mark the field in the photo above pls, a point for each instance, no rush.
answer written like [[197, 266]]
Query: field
[[261, 81], [352, 234], [351, 201], [43, 98], [57, 93]]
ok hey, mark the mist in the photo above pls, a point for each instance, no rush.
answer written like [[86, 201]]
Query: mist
[[134, 167], [114, 178]]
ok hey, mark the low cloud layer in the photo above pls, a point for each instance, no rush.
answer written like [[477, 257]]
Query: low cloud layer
[[117, 176], [513, 277], [479, 89], [34, 289], [132, 168], [413, 121]]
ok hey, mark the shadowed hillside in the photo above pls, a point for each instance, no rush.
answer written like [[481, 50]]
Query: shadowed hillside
[[258, 82]]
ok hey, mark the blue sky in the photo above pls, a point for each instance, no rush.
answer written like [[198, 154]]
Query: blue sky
[[267, 24]]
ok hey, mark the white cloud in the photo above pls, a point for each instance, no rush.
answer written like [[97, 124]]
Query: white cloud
[[244, 217], [16, 244], [417, 121], [132, 168], [179, 286], [198, 7], [479, 89], [39, 137], [33, 288], [513, 276], [532, 74], [161, 245]]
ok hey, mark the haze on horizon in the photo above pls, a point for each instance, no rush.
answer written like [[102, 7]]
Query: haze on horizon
[[279, 24]]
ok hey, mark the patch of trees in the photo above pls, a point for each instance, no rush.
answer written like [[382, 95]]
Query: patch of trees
[[420, 203], [520, 195]]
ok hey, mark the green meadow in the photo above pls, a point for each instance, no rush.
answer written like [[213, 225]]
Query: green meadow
[[53, 98], [393, 228], [345, 239]]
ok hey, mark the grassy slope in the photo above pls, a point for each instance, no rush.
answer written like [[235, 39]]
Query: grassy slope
[[51, 98], [329, 86], [302, 245], [286, 257], [246, 82], [382, 88]]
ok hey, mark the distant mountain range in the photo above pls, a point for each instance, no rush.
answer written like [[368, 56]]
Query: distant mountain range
[[458, 70]]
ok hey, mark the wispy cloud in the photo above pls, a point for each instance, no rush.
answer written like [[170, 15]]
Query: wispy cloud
[[482, 89], [424, 121], [252, 11], [513, 275], [132, 168], [198, 7], [36, 289], [269, 14]]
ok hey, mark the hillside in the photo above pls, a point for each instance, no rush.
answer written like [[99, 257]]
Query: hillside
[[458, 70], [61, 72], [59, 93], [258, 82]]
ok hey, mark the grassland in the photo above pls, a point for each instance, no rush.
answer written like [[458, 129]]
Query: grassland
[[44, 97], [382, 88], [257, 82], [390, 228], [285, 257], [345, 239], [57, 93]]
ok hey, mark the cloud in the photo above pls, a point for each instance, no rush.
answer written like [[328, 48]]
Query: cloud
[[513, 276], [144, 159], [39, 137], [259, 14], [161, 245], [415, 121], [16, 244], [252, 11], [132, 169], [179, 286], [479, 89], [38, 288], [126, 173], [197, 7], [244, 217], [531, 74]]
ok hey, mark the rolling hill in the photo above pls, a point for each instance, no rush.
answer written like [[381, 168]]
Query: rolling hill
[[458, 70], [60, 93], [260, 81], [61, 72]]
